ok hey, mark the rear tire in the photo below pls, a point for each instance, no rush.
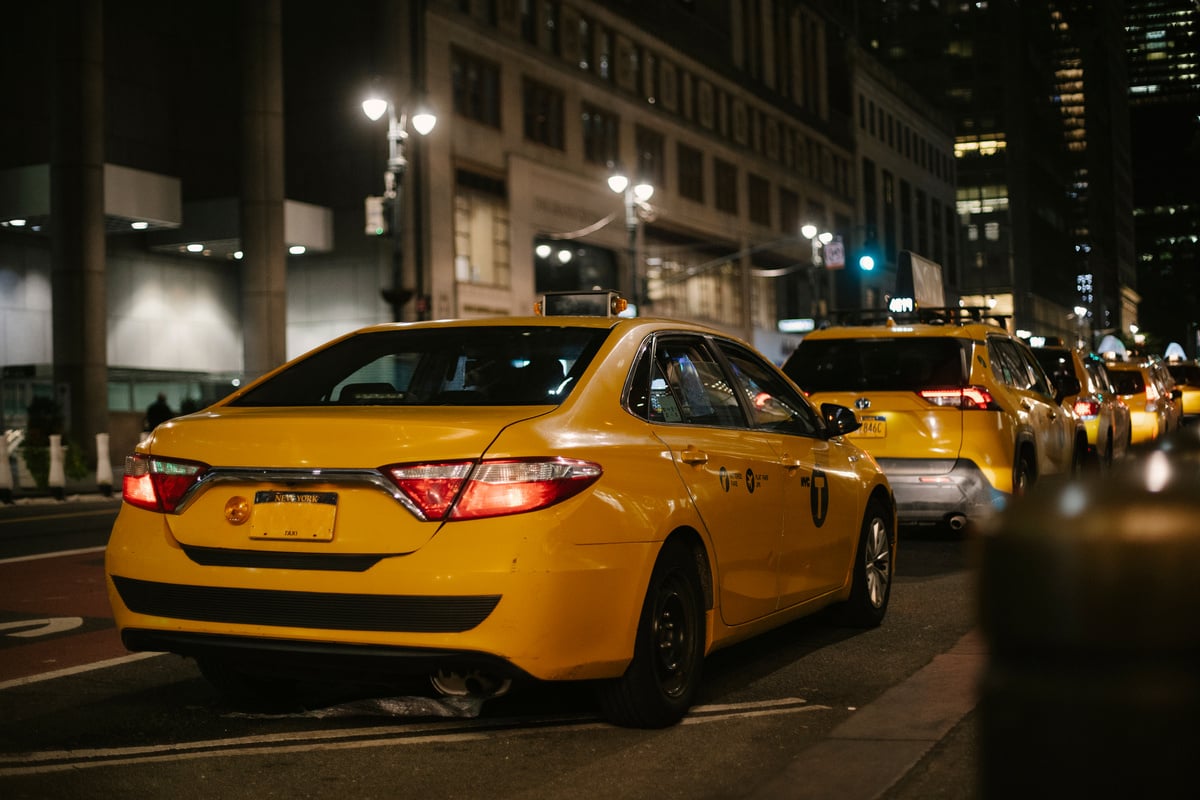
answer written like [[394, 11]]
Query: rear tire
[[668, 654], [1023, 475], [873, 564]]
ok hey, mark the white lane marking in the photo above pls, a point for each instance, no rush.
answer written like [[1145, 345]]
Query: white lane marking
[[41, 627], [62, 673], [346, 739], [38, 556]]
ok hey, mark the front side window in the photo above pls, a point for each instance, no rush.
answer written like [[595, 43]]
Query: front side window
[[774, 405], [469, 365]]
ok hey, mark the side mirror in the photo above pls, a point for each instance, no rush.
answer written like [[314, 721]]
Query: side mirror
[[839, 419]]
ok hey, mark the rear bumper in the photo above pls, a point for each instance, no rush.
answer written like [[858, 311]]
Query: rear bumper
[[936, 491], [505, 594]]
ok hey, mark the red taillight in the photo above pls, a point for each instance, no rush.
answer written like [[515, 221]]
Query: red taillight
[[466, 490], [1087, 408], [158, 484], [967, 398]]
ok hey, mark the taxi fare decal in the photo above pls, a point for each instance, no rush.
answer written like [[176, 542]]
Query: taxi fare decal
[[729, 480], [817, 485]]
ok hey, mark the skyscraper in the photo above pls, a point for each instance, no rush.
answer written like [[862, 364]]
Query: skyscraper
[[1163, 53]]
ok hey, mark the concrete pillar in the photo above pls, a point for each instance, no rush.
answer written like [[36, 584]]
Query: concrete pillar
[[77, 273], [264, 265]]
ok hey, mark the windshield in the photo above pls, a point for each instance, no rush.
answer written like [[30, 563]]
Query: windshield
[[467, 365], [877, 364]]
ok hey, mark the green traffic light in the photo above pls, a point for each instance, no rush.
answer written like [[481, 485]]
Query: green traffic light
[[866, 263]]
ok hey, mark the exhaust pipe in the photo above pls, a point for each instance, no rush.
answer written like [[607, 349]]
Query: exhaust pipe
[[957, 522]]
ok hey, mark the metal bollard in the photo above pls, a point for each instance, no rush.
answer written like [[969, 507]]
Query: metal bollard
[[1087, 604], [6, 476], [57, 480], [104, 471]]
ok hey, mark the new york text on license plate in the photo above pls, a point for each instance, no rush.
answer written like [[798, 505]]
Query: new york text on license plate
[[298, 516]]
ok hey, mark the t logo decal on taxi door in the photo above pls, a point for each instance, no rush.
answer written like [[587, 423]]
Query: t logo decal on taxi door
[[818, 494]]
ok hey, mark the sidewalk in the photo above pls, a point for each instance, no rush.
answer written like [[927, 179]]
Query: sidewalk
[[887, 748], [31, 499]]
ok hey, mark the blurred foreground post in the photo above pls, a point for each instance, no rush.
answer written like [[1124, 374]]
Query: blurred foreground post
[[1087, 603]]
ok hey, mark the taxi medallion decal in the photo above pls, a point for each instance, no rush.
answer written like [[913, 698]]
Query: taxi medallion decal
[[818, 494]]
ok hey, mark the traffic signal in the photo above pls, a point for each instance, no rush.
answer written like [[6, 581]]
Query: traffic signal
[[378, 216]]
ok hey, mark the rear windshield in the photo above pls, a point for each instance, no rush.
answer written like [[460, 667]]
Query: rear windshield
[[1185, 373], [877, 364], [1127, 381], [469, 366]]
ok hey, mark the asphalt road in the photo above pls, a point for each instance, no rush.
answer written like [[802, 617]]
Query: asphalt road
[[810, 710]]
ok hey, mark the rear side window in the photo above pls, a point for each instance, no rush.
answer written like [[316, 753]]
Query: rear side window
[[500, 365], [1185, 374], [878, 364], [1127, 381], [1014, 365], [1055, 362]]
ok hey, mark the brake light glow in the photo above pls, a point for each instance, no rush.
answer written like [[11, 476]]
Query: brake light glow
[[1087, 408], [158, 484], [966, 398], [466, 490]]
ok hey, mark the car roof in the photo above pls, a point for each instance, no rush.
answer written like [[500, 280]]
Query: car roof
[[971, 330], [620, 325]]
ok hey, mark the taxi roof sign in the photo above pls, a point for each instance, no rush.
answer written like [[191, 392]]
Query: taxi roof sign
[[598, 303]]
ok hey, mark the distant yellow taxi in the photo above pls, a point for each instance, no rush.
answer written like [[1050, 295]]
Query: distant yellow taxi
[[1103, 411], [580, 497], [1155, 404], [1187, 381]]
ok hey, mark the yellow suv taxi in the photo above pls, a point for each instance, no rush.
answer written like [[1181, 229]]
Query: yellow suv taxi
[[1155, 404], [960, 415], [1187, 380]]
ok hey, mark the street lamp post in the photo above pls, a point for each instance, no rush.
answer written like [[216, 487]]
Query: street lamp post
[[819, 239], [393, 183], [637, 197]]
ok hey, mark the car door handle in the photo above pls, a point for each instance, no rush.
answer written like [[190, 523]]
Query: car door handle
[[790, 463], [691, 455]]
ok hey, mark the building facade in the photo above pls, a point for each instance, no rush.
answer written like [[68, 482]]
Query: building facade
[[1162, 46], [197, 195], [1036, 92]]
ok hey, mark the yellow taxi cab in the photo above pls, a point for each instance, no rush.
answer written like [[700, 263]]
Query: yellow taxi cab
[[1154, 404], [1187, 380], [559, 497], [1103, 411], [957, 411]]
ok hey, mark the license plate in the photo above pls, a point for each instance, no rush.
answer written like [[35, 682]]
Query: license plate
[[872, 428], [298, 516]]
